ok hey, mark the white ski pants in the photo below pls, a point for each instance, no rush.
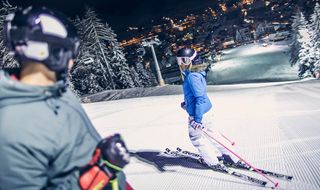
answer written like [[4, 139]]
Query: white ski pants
[[208, 148]]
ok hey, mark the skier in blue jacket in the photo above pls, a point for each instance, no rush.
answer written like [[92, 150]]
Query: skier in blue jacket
[[197, 103]]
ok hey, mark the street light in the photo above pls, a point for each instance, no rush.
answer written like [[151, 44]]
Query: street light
[[149, 42]]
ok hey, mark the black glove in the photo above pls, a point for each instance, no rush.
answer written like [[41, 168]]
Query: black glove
[[183, 105], [114, 152], [110, 156]]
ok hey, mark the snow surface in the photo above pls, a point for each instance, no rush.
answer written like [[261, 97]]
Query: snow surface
[[253, 63], [275, 127]]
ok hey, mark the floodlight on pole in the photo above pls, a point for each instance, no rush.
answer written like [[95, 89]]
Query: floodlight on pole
[[150, 42]]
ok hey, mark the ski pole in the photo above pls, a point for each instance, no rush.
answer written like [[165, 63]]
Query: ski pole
[[276, 184], [230, 141]]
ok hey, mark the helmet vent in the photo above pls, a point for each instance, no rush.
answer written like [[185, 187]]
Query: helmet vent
[[52, 26]]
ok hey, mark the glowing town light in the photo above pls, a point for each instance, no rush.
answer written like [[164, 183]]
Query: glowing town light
[[267, 3], [212, 12], [248, 2], [223, 7], [181, 28]]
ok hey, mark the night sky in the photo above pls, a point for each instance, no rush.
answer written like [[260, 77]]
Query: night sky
[[123, 13]]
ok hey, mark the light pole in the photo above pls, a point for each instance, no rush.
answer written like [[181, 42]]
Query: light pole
[[149, 42]]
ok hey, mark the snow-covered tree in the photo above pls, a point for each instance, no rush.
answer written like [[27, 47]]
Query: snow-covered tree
[[91, 72], [72, 88], [88, 77], [146, 79], [315, 36], [100, 54], [135, 76], [122, 76], [304, 40], [6, 60], [295, 46], [301, 47], [315, 18], [151, 75]]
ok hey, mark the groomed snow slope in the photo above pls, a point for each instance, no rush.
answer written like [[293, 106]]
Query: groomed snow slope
[[276, 127]]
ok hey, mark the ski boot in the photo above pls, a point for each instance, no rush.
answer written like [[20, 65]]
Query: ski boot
[[241, 165], [220, 168], [226, 160]]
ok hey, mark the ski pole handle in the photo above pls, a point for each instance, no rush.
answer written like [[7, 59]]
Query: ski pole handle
[[206, 132]]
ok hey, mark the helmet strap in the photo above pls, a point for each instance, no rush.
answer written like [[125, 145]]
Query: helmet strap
[[63, 74]]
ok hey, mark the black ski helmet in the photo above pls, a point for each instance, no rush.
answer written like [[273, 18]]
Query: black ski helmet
[[43, 36], [187, 56]]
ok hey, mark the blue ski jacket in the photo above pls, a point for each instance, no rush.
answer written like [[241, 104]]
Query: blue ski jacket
[[195, 94]]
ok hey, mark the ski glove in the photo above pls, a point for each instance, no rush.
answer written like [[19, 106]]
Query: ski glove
[[110, 156], [183, 105], [196, 125]]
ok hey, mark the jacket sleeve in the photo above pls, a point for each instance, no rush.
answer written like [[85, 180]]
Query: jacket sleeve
[[198, 88]]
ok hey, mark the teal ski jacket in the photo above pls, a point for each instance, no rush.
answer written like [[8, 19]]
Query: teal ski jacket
[[44, 137]]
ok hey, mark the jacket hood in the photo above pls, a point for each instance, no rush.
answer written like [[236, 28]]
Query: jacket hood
[[13, 92]]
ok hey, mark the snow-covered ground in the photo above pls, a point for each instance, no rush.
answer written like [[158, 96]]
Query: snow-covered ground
[[275, 126], [253, 63]]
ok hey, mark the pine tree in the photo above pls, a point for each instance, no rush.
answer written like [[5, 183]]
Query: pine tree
[[135, 77], [315, 36], [315, 18], [302, 40], [6, 60], [300, 48], [92, 71], [88, 77], [145, 77], [101, 63], [151, 76], [295, 46], [122, 77]]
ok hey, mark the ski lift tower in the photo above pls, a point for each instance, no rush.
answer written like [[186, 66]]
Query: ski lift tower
[[150, 42]]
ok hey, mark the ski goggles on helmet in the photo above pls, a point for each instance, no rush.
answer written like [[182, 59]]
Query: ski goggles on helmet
[[186, 60]]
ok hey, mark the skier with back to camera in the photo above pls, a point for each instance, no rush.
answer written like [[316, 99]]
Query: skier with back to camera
[[197, 103], [46, 138]]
